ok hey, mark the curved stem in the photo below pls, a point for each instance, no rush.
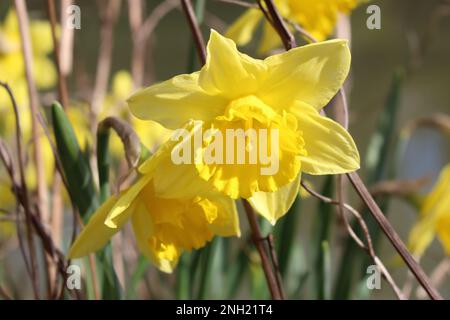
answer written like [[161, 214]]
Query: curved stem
[[258, 239]]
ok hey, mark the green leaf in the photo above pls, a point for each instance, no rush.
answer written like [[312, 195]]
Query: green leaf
[[284, 233], [82, 192], [183, 286], [206, 269], [322, 224], [76, 169], [236, 273], [137, 276], [378, 150]]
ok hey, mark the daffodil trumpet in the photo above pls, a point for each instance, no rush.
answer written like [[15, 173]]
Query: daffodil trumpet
[[236, 147]]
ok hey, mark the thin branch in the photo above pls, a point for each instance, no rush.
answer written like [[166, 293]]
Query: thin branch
[[142, 31], [437, 276], [27, 52], [437, 121], [239, 3], [6, 158], [23, 192], [276, 266], [309, 37], [401, 188], [111, 12], [258, 239], [62, 84], [195, 29], [369, 247], [4, 295], [280, 26], [213, 21], [393, 236], [32, 220], [67, 37]]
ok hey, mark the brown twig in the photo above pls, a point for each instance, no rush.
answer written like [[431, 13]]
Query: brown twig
[[33, 221], [258, 240], [195, 29], [401, 188], [393, 236], [6, 158], [23, 192], [369, 247], [111, 10], [56, 219], [142, 32], [239, 3], [438, 121], [276, 266], [4, 295], [129, 138], [27, 50], [67, 37], [280, 26], [437, 276], [62, 84]]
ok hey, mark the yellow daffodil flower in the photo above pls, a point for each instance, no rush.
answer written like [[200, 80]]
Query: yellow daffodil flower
[[164, 227], [285, 92], [12, 68], [434, 217], [318, 17]]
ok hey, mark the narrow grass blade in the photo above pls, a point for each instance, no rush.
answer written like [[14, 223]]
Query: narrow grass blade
[[321, 232]]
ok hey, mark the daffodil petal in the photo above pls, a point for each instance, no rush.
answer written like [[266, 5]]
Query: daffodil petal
[[434, 216], [96, 233], [330, 148], [125, 201], [174, 102], [443, 231], [175, 180], [421, 235], [241, 31], [311, 74], [227, 72], [143, 231], [274, 205], [226, 223], [440, 191]]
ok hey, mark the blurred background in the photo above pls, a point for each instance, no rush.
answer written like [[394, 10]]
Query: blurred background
[[377, 56]]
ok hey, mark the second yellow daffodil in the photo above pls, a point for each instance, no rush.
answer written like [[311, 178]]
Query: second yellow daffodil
[[434, 217], [164, 226], [317, 17]]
